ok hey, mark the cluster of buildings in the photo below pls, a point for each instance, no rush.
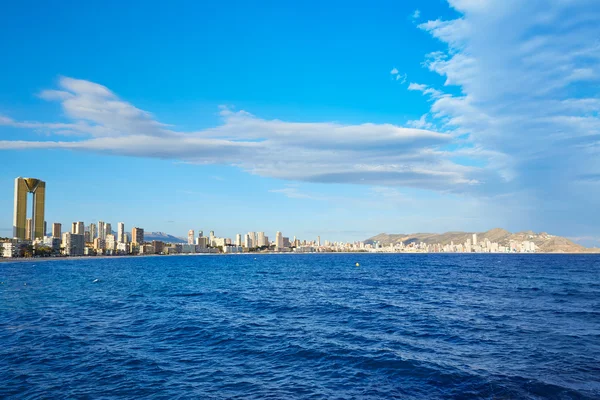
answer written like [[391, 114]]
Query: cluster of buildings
[[470, 246], [31, 238]]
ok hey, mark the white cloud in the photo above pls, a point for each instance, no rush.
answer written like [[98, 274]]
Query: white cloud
[[398, 76], [528, 91], [292, 193], [328, 152], [416, 14]]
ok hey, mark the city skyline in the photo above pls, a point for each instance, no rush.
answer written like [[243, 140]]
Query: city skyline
[[349, 122], [100, 239]]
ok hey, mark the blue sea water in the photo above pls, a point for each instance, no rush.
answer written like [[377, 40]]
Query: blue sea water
[[302, 326]]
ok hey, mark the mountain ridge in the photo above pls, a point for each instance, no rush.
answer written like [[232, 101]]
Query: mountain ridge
[[546, 243]]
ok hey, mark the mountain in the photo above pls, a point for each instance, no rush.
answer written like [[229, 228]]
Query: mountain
[[546, 243], [162, 236]]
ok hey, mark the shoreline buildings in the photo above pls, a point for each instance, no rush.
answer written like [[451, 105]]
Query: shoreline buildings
[[24, 186], [29, 238]]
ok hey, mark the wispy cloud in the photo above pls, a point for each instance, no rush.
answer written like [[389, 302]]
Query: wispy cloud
[[398, 76], [528, 95], [292, 193], [381, 154]]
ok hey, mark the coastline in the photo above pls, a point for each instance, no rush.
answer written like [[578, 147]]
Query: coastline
[[45, 259]]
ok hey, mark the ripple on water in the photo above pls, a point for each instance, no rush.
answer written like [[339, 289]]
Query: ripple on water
[[302, 326]]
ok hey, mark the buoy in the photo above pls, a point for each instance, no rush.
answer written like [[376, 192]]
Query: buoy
[[357, 264]]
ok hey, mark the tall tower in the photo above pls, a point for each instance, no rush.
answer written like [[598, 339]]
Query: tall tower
[[191, 236], [101, 230], [93, 232], [56, 230], [23, 186], [121, 232], [137, 235]]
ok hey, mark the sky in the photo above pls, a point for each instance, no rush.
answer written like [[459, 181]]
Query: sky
[[338, 119]]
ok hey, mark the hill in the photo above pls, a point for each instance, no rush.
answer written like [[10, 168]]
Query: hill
[[162, 236], [546, 243]]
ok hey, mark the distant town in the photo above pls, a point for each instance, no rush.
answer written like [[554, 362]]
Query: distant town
[[31, 238]]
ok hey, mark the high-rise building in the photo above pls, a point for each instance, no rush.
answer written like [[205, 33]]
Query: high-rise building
[[101, 231], [278, 240], [253, 241], [99, 244], [474, 239], [29, 229], [191, 236], [80, 228], [73, 244], [158, 246], [23, 186], [74, 228], [121, 232], [56, 230], [238, 240], [93, 231], [260, 239], [200, 234], [247, 241], [318, 240], [45, 228], [110, 244], [137, 235]]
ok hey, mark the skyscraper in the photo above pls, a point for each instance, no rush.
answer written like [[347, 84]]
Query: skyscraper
[[93, 232], [278, 240], [56, 230], [474, 239], [23, 186], [191, 236], [238, 240], [121, 232], [137, 235], [80, 228], [260, 239], [107, 229], [101, 231], [73, 227]]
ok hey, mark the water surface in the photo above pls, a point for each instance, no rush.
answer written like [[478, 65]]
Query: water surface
[[302, 326]]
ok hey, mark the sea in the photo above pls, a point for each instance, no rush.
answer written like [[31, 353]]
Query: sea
[[292, 326]]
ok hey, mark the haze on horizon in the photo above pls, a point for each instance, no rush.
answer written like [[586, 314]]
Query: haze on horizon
[[311, 119]]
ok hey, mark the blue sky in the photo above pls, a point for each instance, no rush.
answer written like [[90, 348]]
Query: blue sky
[[343, 119]]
